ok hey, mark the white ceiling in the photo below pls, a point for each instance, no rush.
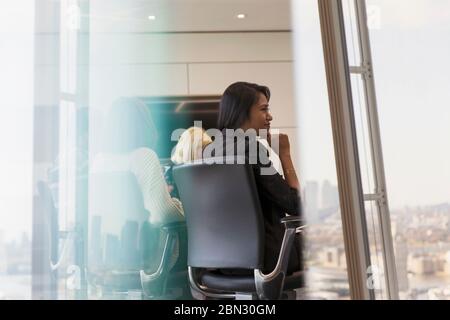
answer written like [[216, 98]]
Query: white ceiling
[[188, 15]]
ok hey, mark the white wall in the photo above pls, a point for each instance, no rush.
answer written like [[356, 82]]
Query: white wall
[[193, 64], [176, 64]]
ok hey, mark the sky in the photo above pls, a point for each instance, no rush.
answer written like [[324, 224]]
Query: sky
[[16, 107], [412, 79], [412, 82]]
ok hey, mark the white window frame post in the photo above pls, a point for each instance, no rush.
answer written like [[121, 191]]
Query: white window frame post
[[346, 149], [380, 195]]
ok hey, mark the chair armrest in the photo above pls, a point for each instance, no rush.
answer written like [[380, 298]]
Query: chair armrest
[[270, 286], [174, 226], [292, 222], [154, 284]]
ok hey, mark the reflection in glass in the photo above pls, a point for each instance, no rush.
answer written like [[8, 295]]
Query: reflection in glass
[[327, 276]]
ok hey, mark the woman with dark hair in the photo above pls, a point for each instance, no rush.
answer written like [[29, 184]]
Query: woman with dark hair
[[245, 106]]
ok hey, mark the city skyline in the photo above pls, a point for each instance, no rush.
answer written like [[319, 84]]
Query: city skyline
[[422, 155]]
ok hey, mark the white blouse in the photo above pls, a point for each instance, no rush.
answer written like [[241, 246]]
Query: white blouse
[[144, 164]]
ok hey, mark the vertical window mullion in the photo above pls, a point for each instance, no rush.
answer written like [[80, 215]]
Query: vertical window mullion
[[346, 148], [376, 148]]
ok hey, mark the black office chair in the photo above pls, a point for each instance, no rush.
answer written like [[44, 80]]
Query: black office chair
[[123, 245], [226, 231]]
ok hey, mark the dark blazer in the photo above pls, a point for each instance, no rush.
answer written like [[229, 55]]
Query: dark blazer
[[277, 199]]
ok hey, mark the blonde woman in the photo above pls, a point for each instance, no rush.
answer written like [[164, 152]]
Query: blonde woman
[[189, 148], [190, 145]]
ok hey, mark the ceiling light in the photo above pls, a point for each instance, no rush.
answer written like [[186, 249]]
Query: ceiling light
[[241, 16], [151, 17]]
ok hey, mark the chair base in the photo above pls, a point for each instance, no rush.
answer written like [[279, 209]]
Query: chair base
[[286, 295], [201, 292]]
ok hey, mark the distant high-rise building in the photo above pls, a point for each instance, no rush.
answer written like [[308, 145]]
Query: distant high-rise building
[[422, 264], [401, 260], [330, 195], [25, 242], [394, 226], [447, 263], [3, 255], [333, 257], [311, 200]]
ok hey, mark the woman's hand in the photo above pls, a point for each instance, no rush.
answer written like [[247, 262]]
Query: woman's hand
[[286, 162], [284, 147]]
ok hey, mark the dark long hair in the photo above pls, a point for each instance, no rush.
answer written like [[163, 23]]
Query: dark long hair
[[236, 103]]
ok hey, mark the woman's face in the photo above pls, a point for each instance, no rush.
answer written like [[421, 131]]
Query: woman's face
[[260, 117]]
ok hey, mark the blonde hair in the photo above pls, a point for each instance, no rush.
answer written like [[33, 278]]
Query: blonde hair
[[190, 145]]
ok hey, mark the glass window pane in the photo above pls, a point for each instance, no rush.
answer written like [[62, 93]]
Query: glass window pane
[[363, 134], [93, 72], [107, 69], [351, 33], [16, 141], [410, 64], [376, 274], [327, 274]]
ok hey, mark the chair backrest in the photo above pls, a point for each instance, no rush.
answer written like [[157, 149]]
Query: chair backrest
[[223, 215]]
